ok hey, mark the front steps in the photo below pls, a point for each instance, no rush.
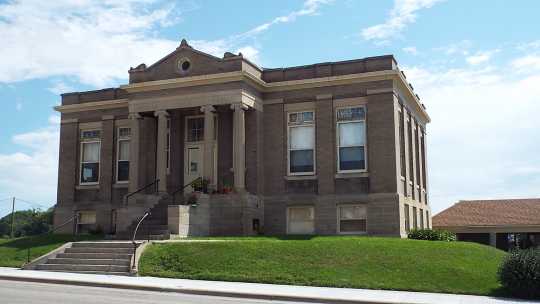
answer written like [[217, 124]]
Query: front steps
[[113, 258]]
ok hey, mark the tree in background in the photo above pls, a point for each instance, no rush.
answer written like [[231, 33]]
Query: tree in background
[[27, 222]]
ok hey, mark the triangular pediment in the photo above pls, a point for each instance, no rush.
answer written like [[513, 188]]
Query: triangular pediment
[[185, 61]]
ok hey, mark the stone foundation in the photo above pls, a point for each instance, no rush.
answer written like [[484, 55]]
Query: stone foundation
[[217, 215]]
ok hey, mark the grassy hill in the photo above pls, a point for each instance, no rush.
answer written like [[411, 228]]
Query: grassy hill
[[13, 252], [355, 262]]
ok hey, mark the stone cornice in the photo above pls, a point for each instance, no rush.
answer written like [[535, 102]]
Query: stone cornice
[[399, 80], [93, 105]]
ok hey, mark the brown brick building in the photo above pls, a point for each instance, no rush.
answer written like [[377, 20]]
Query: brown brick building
[[328, 148]]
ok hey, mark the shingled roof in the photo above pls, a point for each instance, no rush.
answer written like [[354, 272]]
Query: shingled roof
[[506, 212]]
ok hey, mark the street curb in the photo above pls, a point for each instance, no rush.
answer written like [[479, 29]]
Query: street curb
[[195, 291]]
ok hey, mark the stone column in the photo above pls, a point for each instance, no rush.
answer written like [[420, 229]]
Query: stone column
[[161, 151], [134, 157], [239, 146], [209, 143]]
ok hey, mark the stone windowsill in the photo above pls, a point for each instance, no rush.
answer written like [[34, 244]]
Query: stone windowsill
[[300, 177], [351, 175], [121, 185], [87, 187]]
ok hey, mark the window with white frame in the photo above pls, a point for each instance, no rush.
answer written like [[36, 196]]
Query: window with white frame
[[421, 219], [301, 139], [352, 219], [168, 144], [195, 129], [407, 216], [90, 155], [415, 218], [300, 220], [122, 168], [351, 139], [87, 217]]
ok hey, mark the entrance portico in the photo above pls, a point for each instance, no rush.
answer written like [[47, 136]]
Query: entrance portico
[[200, 155]]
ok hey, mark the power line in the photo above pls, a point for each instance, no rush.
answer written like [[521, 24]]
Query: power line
[[33, 203]]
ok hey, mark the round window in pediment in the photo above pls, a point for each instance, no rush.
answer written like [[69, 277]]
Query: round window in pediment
[[183, 65]]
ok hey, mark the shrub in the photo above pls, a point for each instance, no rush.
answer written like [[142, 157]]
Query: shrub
[[519, 273], [432, 235]]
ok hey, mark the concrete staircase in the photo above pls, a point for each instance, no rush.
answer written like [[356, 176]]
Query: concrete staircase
[[92, 257], [154, 227]]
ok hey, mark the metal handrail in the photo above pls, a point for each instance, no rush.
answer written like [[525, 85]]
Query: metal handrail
[[156, 182], [184, 187], [76, 216], [135, 245]]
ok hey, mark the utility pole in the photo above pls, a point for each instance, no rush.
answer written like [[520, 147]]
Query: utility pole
[[12, 216]]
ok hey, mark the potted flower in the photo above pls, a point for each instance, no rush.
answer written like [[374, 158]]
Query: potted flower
[[201, 185]]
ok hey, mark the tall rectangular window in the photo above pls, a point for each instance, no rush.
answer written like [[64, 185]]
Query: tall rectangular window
[[122, 168], [90, 155], [195, 129], [410, 143], [427, 219], [168, 144], [423, 147], [351, 139], [415, 218], [421, 219], [417, 153], [352, 219], [402, 143], [407, 218], [301, 130]]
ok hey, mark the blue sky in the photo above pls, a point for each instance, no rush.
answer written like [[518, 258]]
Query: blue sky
[[475, 65]]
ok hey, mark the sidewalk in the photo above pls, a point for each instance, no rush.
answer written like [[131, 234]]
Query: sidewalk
[[248, 290]]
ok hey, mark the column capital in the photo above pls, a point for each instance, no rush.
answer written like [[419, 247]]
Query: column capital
[[208, 108], [160, 113], [134, 116], [238, 106]]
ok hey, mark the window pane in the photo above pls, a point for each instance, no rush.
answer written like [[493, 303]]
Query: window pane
[[301, 214], [123, 170], [87, 217], [352, 212], [351, 134], [91, 152], [124, 132], [301, 161], [302, 138], [351, 158], [123, 146], [351, 114], [195, 128], [89, 173], [352, 226]]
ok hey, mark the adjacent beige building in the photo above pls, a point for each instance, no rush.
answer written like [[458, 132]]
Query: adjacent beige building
[[327, 148], [504, 223]]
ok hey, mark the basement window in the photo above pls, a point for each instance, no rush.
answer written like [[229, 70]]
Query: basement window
[[352, 219]]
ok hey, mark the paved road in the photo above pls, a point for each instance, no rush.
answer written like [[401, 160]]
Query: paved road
[[13, 292]]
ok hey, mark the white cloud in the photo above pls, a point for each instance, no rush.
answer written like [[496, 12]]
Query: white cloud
[[96, 42], [480, 57], [54, 119], [527, 63], [60, 87], [484, 132], [410, 50], [93, 41], [33, 174], [250, 53], [403, 13], [310, 7]]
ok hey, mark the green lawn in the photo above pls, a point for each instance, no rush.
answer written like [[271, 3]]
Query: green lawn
[[356, 262], [13, 252]]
